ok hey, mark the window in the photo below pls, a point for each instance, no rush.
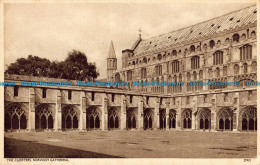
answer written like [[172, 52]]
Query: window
[[44, 93], [194, 76], [158, 70], [92, 96], [145, 60], [217, 72], [113, 97], [253, 67], [131, 98], [143, 73], [69, 94], [147, 99], [192, 48], [200, 74], [253, 35], [195, 62], [175, 66], [245, 52], [129, 75], [224, 71], [16, 88], [174, 52], [236, 37], [236, 69], [159, 56], [218, 58], [211, 43], [245, 67]]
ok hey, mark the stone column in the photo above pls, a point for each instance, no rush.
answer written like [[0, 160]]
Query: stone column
[[156, 115], [236, 113], [31, 117], [104, 113], [123, 113], [58, 113], [82, 119], [178, 114], [193, 124], [195, 109], [167, 111], [213, 114], [140, 114]]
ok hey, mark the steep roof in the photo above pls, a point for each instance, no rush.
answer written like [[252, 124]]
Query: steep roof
[[111, 53], [228, 21]]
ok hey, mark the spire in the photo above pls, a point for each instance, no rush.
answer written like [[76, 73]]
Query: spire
[[111, 53]]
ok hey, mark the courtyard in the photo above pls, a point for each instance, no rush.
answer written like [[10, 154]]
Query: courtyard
[[130, 144]]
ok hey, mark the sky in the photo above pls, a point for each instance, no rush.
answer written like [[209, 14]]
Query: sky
[[52, 30]]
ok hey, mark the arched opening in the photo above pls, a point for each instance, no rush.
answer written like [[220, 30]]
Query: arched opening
[[204, 119], [186, 118], [236, 37], [211, 43], [225, 118], [249, 119], [192, 48], [172, 119], [148, 119], [15, 117], [113, 121], [43, 117], [117, 77], [130, 123], [162, 119], [69, 118], [92, 118]]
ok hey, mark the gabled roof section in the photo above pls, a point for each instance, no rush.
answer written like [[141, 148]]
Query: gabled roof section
[[111, 53], [222, 23]]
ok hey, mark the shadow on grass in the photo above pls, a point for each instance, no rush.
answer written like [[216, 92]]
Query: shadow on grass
[[14, 148]]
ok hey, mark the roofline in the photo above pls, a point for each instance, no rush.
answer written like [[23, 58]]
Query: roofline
[[200, 22]]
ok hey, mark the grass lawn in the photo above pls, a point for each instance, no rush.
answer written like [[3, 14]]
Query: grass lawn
[[130, 144]]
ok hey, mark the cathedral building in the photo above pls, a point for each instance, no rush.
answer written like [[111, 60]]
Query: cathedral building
[[221, 51]]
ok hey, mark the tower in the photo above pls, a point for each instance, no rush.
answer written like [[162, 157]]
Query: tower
[[111, 62]]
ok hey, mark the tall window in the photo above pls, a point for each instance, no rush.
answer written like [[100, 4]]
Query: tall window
[[218, 58], [129, 75], [143, 73], [195, 62], [16, 88], [175, 66], [44, 93], [158, 70], [69, 94], [92, 96], [245, 52]]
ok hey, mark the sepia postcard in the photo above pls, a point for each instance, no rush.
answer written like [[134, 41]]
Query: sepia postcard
[[123, 82]]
